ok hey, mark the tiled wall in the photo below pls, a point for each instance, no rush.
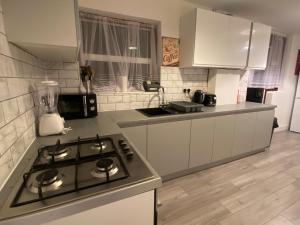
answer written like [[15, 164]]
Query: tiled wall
[[19, 72], [173, 79]]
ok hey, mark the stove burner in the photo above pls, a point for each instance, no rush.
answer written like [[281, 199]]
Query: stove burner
[[47, 177], [99, 146], [48, 180], [103, 166], [57, 153]]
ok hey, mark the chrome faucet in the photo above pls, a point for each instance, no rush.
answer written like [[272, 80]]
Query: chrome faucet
[[163, 95]]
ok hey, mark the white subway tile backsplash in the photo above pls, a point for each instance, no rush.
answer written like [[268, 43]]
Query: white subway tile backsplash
[[6, 167], [101, 99], [21, 124], [72, 83], [54, 65], [70, 66], [10, 109], [107, 107], [115, 99], [30, 118], [29, 135], [17, 150], [4, 93], [142, 98], [52, 74], [68, 74], [2, 119], [122, 106], [8, 136]]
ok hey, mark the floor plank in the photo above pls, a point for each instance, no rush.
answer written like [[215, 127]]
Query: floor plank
[[262, 189]]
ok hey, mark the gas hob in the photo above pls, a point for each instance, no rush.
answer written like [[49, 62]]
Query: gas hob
[[66, 172]]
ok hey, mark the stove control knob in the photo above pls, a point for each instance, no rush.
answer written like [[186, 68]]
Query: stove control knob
[[126, 149], [121, 141], [129, 155]]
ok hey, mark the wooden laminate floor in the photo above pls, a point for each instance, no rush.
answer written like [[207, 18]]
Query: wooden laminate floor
[[263, 189]]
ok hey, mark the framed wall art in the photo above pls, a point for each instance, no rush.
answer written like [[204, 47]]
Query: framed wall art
[[170, 51]]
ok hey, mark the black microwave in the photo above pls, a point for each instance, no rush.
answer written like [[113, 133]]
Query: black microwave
[[77, 106]]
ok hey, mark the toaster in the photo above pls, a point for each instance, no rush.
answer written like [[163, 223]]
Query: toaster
[[210, 100]]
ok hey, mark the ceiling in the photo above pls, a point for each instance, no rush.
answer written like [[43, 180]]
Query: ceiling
[[283, 15]]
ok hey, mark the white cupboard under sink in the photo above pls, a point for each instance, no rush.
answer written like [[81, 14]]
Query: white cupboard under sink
[[259, 46], [48, 29], [211, 39]]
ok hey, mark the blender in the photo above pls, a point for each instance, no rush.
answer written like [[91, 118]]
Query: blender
[[50, 122]]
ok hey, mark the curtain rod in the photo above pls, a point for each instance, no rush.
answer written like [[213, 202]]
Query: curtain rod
[[114, 16]]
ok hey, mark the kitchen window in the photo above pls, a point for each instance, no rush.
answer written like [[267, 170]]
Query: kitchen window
[[271, 76], [122, 52]]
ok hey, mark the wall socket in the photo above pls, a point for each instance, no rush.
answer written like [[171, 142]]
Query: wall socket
[[186, 90]]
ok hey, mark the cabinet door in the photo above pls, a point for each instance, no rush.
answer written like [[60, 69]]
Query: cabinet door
[[223, 137], [244, 132], [211, 38], [238, 42], [168, 146], [138, 137], [259, 47], [202, 137], [263, 129]]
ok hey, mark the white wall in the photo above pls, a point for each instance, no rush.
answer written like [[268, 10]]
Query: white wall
[[284, 98], [166, 11]]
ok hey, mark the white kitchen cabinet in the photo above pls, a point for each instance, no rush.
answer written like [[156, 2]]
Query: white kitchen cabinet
[[202, 137], [224, 136], [135, 210], [244, 133], [263, 129], [211, 39], [47, 29], [138, 137], [168, 146], [259, 46]]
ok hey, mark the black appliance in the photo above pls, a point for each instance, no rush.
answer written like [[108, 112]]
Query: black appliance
[[198, 97], [70, 171], [151, 86], [77, 106], [185, 107], [255, 95], [210, 100]]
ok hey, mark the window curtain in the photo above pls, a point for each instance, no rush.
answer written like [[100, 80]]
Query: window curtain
[[271, 76], [118, 50]]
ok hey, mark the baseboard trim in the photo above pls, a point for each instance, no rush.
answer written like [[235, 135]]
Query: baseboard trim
[[209, 165]]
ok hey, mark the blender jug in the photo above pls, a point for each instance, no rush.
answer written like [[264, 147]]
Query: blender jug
[[50, 121]]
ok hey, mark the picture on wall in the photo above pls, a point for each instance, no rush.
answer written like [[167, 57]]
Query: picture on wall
[[170, 51]]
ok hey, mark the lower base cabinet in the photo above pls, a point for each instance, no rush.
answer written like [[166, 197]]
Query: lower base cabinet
[[263, 129], [168, 146], [244, 133], [176, 146], [202, 139], [138, 137], [223, 137], [135, 210]]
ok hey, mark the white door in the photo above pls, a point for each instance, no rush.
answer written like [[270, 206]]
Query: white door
[[295, 123]]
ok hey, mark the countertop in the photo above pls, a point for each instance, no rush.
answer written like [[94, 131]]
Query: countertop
[[111, 122], [107, 123]]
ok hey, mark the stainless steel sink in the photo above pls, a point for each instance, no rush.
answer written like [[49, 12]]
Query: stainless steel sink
[[156, 111]]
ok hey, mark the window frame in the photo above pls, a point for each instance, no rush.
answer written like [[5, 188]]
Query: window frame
[[156, 23]]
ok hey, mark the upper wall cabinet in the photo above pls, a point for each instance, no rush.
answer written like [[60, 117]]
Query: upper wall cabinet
[[48, 29], [211, 39], [259, 46]]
